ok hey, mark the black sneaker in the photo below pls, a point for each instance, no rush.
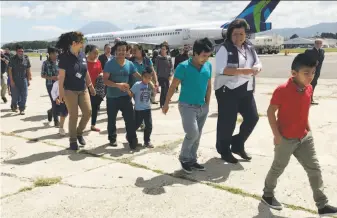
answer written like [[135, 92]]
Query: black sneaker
[[327, 210], [186, 167], [81, 140], [272, 203], [4, 99], [56, 123], [148, 145], [133, 144], [197, 166], [14, 109], [50, 115], [113, 143], [73, 146], [229, 158], [242, 154]]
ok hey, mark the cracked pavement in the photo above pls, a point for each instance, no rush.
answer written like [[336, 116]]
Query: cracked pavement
[[103, 181]]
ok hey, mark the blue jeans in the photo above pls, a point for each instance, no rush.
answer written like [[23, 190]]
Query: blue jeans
[[193, 118], [19, 94]]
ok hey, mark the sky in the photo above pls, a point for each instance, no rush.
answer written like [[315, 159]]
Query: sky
[[38, 20]]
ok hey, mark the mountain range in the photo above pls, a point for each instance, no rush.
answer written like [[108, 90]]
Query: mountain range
[[309, 31]]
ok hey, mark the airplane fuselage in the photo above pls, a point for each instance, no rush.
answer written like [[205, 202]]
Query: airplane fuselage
[[176, 36], [255, 14]]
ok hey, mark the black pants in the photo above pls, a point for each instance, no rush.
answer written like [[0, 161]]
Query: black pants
[[164, 84], [124, 105], [53, 108], [314, 83], [95, 103], [146, 116], [230, 103]]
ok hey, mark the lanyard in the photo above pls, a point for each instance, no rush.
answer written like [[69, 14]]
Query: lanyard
[[244, 55]]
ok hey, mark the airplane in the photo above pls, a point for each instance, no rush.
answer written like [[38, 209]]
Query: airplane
[[256, 14]]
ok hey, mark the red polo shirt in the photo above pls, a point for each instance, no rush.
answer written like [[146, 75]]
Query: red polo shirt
[[293, 112]]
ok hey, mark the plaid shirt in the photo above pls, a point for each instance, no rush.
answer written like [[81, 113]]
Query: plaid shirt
[[49, 69]]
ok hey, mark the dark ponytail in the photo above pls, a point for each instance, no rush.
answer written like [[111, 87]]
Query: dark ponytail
[[67, 39], [89, 48]]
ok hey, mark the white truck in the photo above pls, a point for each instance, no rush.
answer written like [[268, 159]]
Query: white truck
[[268, 44]]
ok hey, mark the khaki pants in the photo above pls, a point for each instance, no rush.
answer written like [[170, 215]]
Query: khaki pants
[[304, 151], [73, 100], [3, 85]]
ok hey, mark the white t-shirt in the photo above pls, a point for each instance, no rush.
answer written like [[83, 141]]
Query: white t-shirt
[[233, 82], [55, 91]]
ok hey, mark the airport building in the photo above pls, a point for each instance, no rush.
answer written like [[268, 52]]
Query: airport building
[[308, 43]]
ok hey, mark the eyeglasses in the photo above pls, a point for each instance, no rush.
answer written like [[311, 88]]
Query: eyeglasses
[[19, 51]]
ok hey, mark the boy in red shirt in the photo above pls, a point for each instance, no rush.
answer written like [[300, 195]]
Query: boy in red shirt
[[292, 133]]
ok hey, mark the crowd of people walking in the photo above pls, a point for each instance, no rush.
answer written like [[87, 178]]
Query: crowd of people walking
[[83, 80]]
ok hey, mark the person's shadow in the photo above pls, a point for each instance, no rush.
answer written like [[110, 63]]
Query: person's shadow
[[216, 172], [265, 212]]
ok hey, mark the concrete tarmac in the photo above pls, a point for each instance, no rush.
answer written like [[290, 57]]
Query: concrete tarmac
[[41, 178], [274, 66]]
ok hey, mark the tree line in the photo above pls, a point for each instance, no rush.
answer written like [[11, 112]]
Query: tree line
[[329, 35], [34, 45], [323, 35]]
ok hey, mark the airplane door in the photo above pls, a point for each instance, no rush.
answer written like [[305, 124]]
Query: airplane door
[[186, 34]]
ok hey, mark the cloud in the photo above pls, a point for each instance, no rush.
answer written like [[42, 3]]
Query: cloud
[[160, 13], [36, 10], [49, 28]]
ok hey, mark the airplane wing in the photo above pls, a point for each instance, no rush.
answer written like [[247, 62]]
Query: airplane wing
[[142, 43]]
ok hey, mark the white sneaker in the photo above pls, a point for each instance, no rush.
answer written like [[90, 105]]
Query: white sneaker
[[62, 132]]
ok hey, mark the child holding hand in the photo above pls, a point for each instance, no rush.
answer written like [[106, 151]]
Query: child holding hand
[[61, 108]]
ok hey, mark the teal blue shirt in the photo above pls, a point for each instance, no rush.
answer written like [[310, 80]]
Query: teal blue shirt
[[194, 82], [141, 66], [118, 74]]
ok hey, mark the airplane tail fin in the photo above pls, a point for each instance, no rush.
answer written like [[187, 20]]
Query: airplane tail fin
[[256, 14]]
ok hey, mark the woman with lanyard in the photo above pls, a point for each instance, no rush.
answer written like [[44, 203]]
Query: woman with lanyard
[[141, 62], [236, 66], [74, 81], [96, 76]]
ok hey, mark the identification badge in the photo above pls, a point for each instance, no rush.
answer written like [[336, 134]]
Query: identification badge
[[78, 75]]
